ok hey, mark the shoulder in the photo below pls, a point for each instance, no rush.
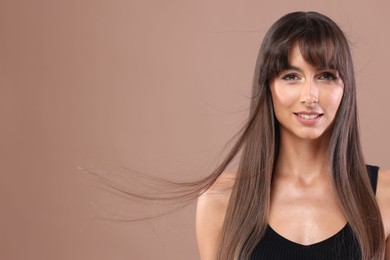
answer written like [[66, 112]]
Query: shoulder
[[216, 198], [210, 214], [383, 197]]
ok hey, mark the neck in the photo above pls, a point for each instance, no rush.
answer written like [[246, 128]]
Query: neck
[[304, 159]]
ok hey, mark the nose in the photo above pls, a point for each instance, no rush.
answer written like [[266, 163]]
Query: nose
[[309, 93]]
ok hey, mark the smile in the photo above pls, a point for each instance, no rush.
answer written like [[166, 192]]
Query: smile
[[308, 118], [305, 116]]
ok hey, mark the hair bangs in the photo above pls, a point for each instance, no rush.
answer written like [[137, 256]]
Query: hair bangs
[[318, 51], [319, 44]]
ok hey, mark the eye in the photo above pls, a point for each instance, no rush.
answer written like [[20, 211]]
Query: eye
[[290, 76], [328, 76]]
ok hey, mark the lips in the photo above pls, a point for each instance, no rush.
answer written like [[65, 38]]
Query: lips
[[305, 116], [308, 118], [308, 113]]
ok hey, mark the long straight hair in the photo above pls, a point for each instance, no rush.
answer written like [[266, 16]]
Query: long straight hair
[[323, 45]]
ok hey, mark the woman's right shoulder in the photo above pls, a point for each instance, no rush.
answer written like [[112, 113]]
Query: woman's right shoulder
[[218, 194], [210, 214]]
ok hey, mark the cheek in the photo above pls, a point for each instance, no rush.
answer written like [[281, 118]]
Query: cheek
[[334, 99], [283, 100], [282, 97]]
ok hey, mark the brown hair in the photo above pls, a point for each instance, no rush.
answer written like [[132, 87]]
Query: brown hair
[[323, 45]]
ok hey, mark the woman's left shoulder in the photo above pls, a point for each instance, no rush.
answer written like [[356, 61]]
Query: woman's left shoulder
[[383, 188], [383, 197]]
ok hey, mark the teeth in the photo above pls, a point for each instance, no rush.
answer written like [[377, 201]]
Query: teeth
[[308, 116]]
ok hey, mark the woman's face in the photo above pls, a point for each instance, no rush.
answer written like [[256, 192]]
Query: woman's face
[[305, 98]]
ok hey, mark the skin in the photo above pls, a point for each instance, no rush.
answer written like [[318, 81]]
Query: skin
[[302, 180], [304, 209]]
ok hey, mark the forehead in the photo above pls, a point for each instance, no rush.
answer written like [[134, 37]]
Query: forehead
[[295, 56]]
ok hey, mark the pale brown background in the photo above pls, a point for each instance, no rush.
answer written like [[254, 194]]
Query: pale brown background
[[157, 85]]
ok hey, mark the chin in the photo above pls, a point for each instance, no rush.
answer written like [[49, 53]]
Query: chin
[[310, 134], [313, 135]]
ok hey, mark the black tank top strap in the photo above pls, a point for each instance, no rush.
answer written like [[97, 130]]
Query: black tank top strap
[[373, 174]]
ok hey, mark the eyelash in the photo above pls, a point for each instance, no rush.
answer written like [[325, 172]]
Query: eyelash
[[289, 77], [328, 74], [324, 76]]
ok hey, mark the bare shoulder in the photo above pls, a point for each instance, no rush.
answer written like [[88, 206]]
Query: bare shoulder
[[383, 197], [210, 214]]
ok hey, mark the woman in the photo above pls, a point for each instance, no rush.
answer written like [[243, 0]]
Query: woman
[[302, 189]]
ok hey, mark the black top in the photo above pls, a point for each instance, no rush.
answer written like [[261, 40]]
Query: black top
[[341, 246]]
